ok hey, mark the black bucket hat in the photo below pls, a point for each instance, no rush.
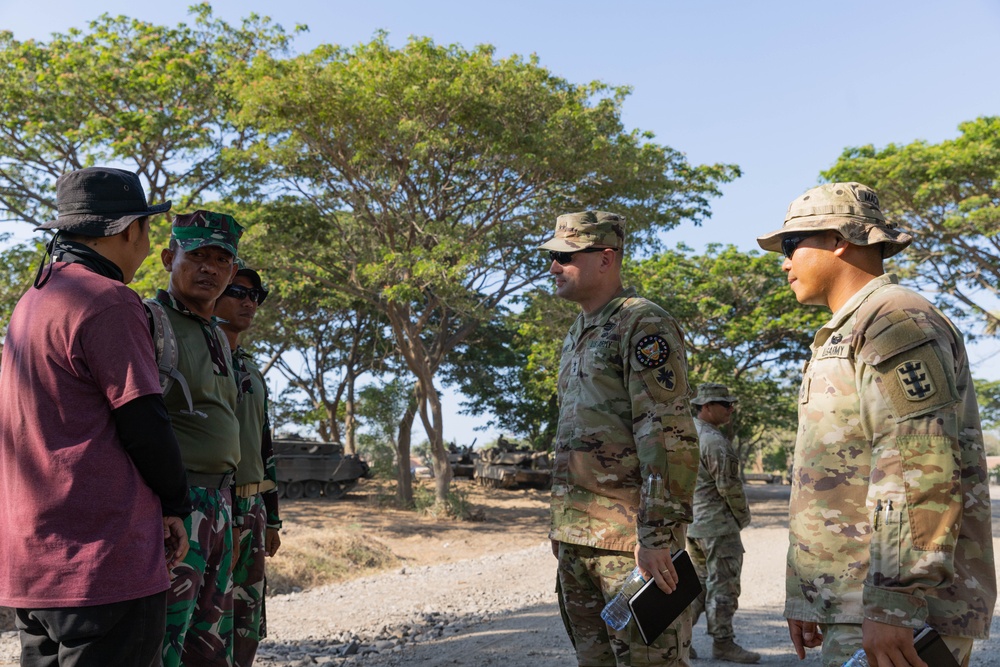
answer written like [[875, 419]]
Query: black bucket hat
[[100, 201]]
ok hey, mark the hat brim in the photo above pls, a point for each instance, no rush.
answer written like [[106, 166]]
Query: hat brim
[[715, 399], [88, 224], [187, 245], [857, 230], [565, 245]]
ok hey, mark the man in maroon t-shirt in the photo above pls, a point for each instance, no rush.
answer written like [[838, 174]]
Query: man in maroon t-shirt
[[92, 489]]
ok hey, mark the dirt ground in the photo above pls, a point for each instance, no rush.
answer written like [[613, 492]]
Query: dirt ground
[[520, 515]]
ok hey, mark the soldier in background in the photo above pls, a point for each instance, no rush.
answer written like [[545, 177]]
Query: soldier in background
[[201, 261], [256, 478], [890, 511], [623, 415], [720, 513]]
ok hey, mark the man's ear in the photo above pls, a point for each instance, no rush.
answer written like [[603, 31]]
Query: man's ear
[[167, 258], [840, 246], [232, 276], [134, 230]]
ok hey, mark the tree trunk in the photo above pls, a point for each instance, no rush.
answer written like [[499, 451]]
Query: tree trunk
[[435, 433], [350, 423], [404, 483]]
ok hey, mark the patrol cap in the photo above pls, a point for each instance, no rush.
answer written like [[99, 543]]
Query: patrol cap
[[589, 229], [851, 209], [710, 392], [100, 201], [205, 228]]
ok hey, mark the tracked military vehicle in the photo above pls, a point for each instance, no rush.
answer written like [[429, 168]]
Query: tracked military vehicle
[[509, 464], [308, 469]]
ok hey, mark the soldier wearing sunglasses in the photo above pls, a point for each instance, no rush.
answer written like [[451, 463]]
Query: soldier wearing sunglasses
[[256, 479], [890, 511], [624, 418]]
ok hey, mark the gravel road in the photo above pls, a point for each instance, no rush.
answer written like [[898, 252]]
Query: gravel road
[[500, 609]]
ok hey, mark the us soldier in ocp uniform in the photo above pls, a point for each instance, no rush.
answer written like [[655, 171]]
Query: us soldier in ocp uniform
[[624, 414], [890, 511], [256, 477], [720, 513]]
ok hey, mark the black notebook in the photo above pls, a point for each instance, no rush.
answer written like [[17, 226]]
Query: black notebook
[[654, 610], [932, 649]]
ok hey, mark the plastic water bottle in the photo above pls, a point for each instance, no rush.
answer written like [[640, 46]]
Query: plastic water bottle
[[616, 613], [859, 659]]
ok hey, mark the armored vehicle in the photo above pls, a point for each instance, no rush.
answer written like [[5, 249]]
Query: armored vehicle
[[510, 464], [309, 469], [460, 458]]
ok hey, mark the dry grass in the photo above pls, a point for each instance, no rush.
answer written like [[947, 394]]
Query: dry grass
[[314, 558]]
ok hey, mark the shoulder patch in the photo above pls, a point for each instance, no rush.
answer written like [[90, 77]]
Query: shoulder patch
[[915, 383], [652, 351]]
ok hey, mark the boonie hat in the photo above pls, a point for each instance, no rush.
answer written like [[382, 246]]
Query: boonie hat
[[589, 229], [851, 209], [100, 201], [205, 228], [710, 392], [246, 271]]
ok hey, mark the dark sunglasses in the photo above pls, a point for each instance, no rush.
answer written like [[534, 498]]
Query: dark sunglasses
[[790, 243], [257, 295], [564, 258]]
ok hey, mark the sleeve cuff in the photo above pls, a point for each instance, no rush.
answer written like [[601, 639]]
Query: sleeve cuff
[[885, 606]]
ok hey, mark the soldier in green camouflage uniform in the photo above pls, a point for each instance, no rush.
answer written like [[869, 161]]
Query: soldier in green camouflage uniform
[[256, 478], [890, 510], [624, 414], [201, 260], [720, 512]]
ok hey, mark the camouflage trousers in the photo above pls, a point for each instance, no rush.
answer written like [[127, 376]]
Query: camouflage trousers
[[718, 562], [200, 599], [248, 582], [842, 640], [589, 578]]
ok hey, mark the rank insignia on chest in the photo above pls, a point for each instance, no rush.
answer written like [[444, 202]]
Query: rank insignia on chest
[[915, 380], [652, 351]]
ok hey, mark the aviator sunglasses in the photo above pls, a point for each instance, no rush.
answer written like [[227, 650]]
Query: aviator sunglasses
[[240, 292], [564, 258]]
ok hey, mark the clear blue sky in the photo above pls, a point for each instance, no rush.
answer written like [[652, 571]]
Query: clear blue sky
[[779, 88]]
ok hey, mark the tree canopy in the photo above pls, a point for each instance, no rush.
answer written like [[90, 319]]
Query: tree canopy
[[948, 195], [434, 171]]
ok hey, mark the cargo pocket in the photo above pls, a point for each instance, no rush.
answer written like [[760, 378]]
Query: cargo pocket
[[933, 489]]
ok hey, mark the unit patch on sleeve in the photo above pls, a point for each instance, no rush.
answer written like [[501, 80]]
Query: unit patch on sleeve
[[652, 351], [916, 383]]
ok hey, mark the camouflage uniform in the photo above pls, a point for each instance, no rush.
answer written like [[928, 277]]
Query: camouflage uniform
[[623, 414], [200, 600], [890, 507], [256, 481], [720, 512]]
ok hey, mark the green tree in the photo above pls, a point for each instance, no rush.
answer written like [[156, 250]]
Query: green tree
[[510, 367], [435, 170], [948, 195], [132, 94], [742, 327], [388, 411], [16, 264], [988, 394]]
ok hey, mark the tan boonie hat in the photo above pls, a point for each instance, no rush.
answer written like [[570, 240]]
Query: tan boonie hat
[[589, 229], [851, 209], [713, 392]]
